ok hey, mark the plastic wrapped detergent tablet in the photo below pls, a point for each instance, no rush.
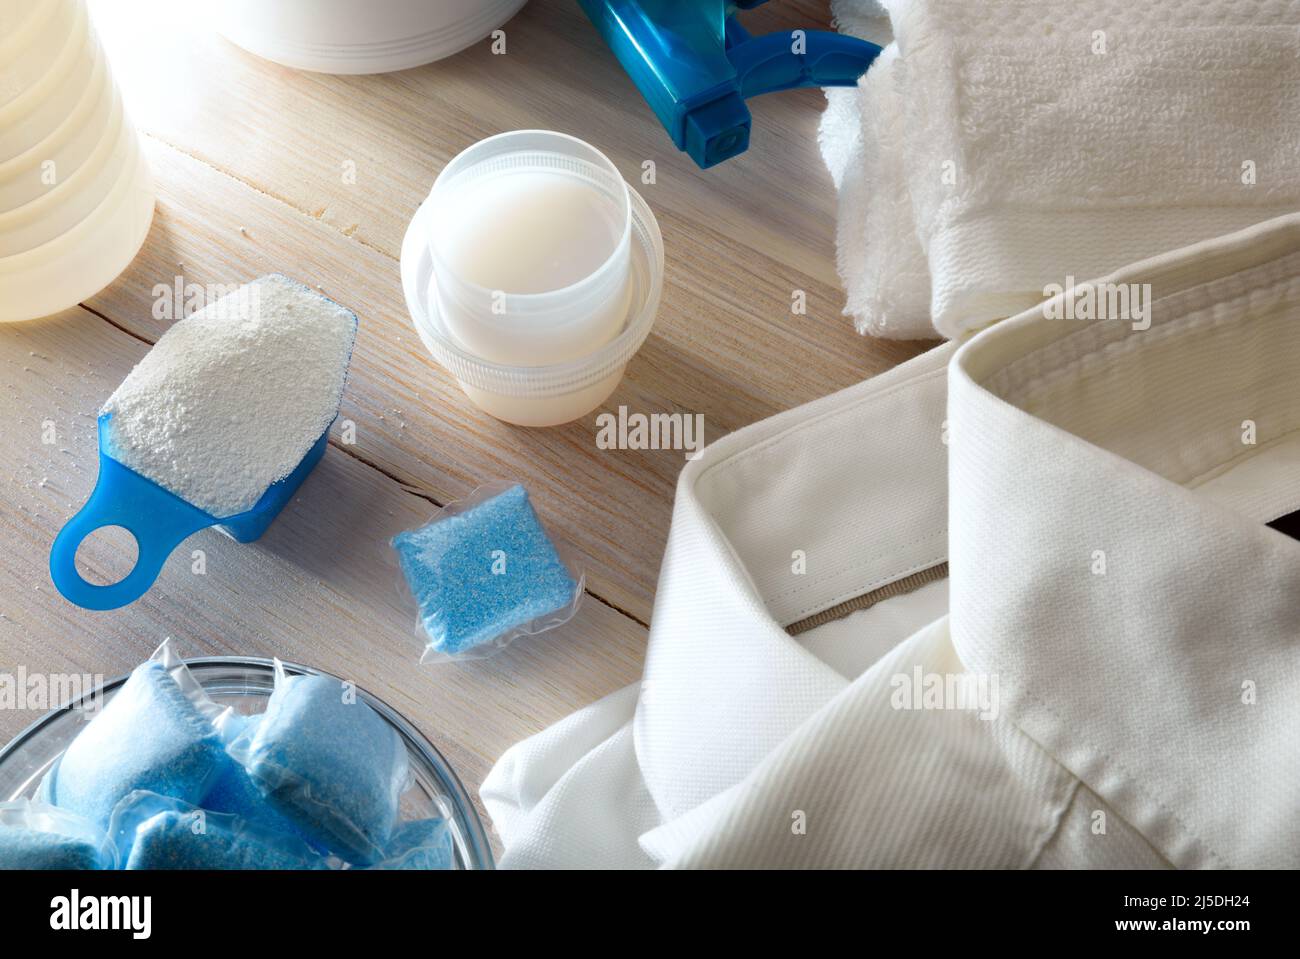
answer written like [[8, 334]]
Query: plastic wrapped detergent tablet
[[328, 763], [233, 791], [484, 572], [419, 844], [242, 689], [34, 835], [157, 832], [156, 734]]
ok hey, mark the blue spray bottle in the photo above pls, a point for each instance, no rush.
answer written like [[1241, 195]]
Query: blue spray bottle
[[696, 65]]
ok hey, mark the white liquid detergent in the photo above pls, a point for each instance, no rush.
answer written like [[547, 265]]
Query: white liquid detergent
[[528, 278], [533, 273], [529, 232]]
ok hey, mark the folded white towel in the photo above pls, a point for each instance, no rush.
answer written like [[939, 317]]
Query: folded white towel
[[996, 148]]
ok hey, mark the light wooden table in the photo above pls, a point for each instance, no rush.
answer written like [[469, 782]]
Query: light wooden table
[[251, 162]]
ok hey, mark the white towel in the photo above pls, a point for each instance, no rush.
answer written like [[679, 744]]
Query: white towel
[[997, 148]]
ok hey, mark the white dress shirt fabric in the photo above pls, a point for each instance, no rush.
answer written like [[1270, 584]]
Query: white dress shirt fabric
[[1101, 494]]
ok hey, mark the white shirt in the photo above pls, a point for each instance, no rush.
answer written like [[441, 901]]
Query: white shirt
[[1126, 625]]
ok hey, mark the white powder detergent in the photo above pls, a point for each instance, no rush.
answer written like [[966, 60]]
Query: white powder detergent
[[231, 398]]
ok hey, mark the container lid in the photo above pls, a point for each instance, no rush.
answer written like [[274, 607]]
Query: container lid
[[646, 283]]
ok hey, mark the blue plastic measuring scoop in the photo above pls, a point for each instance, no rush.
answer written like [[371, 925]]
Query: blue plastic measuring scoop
[[159, 520]]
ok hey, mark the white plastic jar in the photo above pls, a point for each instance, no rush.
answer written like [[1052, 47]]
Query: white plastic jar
[[533, 273], [530, 234]]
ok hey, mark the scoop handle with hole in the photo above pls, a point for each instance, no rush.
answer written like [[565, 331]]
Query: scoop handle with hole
[[158, 520]]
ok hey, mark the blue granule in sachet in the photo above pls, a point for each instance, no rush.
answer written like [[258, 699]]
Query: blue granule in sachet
[[420, 844], [479, 574], [329, 764], [233, 790], [23, 848], [150, 736], [173, 840]]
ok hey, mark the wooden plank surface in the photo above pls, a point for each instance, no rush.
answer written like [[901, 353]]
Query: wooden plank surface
[[267, 148], [288, 133], [321, 587], [252, 163]]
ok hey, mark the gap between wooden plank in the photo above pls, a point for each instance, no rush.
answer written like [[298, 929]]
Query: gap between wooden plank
[[719, 349], [285, 201], [289, 595], [217, 94], [404, 487]]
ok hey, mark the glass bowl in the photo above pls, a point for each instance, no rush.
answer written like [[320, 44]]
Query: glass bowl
[[245, 685]]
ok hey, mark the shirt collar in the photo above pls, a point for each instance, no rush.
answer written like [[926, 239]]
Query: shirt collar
[[1109, 557], [771, 524], [1071, 444]]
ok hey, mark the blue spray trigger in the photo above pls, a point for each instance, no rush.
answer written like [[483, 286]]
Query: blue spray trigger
[[158, 519], [696, 65], [807, 58]]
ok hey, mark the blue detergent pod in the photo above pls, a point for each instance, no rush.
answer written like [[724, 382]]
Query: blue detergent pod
[[328, 763], [157, 832], [483, 572], [420, 844], [154, 734], [159, 520], [34, 835]]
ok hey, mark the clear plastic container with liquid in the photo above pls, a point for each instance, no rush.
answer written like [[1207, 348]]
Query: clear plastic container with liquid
[[533, 273]]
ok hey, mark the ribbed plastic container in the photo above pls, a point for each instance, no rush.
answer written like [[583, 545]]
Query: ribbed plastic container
[[76, 197], [579, 225], [359, 36], [548, 356]]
